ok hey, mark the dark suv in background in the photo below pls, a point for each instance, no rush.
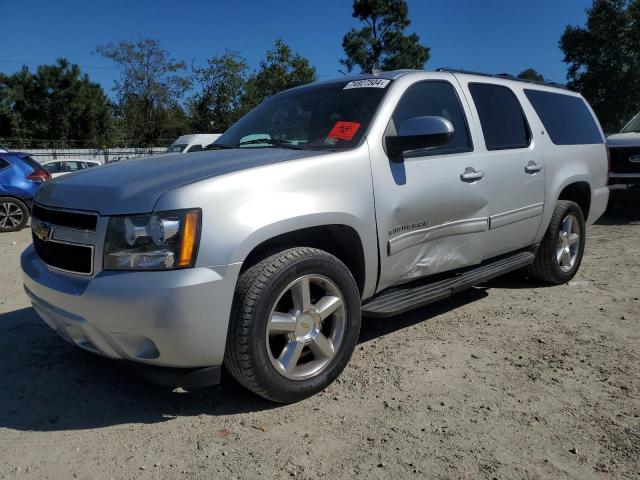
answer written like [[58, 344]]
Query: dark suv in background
[[624, 150], [20, 178]]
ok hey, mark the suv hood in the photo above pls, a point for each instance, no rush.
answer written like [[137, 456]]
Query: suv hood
[[631, 139], [134, 186]]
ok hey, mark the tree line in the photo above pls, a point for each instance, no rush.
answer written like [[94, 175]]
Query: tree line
[[158, 97]]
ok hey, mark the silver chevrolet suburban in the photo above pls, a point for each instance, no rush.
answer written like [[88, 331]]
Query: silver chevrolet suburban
[[362, 196]]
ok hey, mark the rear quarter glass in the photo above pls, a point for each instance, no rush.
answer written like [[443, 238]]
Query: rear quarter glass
[[566, 118]]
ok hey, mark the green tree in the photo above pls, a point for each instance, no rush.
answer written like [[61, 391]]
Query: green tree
[[282, 69], [381, 43], [55, 106], [604, 60], [217, 104], [531, 74], [149, 93]]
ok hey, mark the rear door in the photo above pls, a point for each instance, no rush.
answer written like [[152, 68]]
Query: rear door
[[513, 166], [430, 217]]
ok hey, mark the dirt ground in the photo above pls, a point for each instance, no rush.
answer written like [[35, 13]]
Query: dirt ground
[[510, 380]]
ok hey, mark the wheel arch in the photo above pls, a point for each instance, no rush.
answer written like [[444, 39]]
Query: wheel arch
[[580, 193], [339, 239]]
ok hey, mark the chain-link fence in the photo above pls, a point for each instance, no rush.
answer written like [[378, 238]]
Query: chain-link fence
[[45, 150], [101, 155]]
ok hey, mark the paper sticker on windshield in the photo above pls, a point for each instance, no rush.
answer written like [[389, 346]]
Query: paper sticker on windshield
[[344, 130], [368, 83]]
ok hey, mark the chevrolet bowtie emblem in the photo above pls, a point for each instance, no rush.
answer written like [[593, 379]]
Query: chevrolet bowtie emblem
[[42, 231]]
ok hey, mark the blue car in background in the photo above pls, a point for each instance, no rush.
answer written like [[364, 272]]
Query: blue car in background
[[20, 178]]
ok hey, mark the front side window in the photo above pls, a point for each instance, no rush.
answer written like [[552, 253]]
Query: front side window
[[566, 118], [435, 98], [332, 116], [503, 123]]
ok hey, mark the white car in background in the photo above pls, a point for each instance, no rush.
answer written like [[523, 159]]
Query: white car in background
[[192, 143], [61, 167]]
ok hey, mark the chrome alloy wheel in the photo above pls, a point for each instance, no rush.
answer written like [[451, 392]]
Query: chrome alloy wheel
[[11, 215], [306, 327], [568, 243]]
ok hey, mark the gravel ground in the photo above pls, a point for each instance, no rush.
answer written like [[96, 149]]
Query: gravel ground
[[510, 380]]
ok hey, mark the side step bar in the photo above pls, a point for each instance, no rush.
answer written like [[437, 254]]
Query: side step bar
[[396, 300]]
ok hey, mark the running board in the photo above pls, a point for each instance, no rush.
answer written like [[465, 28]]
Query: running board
[[396, 300]]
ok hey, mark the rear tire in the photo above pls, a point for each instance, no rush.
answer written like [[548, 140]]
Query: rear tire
[[14, 214], [562, 247], [294, 324]]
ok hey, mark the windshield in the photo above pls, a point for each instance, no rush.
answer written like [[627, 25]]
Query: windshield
[[633, 125], [176, 148], [320, 117]]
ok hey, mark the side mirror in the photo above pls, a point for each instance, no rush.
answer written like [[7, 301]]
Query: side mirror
[[419, 133], [195, 148]]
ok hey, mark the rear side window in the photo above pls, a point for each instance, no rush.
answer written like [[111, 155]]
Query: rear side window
[[54, 167], [503, 123], [566, 118], [435, 98], [3, 163]]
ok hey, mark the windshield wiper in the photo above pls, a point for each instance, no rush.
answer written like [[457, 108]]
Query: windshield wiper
[[217, 146], [272, 143]]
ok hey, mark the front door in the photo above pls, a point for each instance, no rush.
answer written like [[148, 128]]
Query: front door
[[431, 209]]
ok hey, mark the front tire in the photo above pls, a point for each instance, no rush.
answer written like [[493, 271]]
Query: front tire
[[561, 250], [294, 324], [14, 214]]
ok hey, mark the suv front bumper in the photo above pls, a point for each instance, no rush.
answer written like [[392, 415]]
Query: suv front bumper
[[175, 318]]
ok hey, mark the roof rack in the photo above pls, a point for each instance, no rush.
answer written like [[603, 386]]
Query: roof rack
[[505, 76]]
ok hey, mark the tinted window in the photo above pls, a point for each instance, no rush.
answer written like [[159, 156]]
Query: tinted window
[[567, 119], [3, 164], [54, 167], [31, 162], [439, 99], [73, 166], [503, 123], [633, 125]]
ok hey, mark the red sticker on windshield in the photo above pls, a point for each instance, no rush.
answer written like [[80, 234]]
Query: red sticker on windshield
[[344, 130]]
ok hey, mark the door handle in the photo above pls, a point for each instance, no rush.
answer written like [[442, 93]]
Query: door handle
[[470, 175], [532, 167]]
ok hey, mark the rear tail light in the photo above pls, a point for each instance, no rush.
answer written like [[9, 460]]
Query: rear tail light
[[39, 176]]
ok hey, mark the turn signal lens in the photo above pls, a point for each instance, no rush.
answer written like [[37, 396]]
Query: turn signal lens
[[189, 240]]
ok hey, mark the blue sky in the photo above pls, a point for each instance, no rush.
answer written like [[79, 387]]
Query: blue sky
[[487, 35]]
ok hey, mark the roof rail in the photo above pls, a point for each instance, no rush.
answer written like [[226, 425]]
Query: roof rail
[[506, 76]]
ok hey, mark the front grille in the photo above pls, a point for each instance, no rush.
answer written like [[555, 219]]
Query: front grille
[[64, 218], [72, 250], [72, 258], [620, 162]]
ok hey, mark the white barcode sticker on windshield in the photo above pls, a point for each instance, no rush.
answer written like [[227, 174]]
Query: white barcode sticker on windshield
[[368, 83]]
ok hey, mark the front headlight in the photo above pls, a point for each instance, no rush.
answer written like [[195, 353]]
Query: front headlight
[[154, 241]]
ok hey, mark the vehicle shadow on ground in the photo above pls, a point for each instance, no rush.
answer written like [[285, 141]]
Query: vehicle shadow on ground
[[47, 384], [622, 211]]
